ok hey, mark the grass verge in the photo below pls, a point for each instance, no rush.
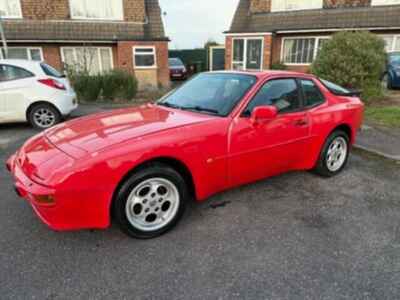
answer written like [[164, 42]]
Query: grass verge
[[386, 115]]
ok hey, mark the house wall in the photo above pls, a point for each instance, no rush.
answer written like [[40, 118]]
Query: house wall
[[147, 77], [264, 6], [134, 10]]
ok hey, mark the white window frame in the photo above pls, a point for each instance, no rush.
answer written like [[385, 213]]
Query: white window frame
[[273, 9], [105, 19], [396, 38], [316, 48], [154, 53], [90, 47], [384, 2], [19, 16], [246, 39], [28, 49]]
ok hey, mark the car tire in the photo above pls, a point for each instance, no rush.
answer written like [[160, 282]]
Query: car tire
[[334, 155], [151, 201], [43, 116]]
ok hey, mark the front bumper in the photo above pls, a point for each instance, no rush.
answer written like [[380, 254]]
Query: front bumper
[[29, 190], [73, 209]]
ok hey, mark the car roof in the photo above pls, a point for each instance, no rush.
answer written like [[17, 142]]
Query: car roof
[[23, 63], [269, 73]]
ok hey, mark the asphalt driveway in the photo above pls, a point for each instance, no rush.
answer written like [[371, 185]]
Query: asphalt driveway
[[295, 236]]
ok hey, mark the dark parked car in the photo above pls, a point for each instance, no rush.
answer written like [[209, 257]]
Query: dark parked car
[[177, 69], [391, 78]]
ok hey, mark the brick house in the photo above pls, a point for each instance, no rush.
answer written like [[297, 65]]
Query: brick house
[[95, 34], [264, 32]]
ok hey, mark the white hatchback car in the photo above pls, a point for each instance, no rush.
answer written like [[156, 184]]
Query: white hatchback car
[[34, 92]]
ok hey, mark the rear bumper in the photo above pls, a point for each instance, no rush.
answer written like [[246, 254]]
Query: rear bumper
[[66, 103]]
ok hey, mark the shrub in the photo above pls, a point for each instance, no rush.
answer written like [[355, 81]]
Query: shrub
[[354, 60], [278, 66], [87, 87], [118, 84]]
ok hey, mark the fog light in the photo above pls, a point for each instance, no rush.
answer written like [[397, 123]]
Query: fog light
[[44, 199]]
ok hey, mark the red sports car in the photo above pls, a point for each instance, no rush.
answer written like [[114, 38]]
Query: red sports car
[[141, 166]]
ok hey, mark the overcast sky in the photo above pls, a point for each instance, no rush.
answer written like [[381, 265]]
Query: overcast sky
[[190, 23]]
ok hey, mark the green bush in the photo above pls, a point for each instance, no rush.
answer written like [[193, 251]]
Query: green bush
[[87, 87], [354, 60], [118, 84], [113, 85], [278, 66]]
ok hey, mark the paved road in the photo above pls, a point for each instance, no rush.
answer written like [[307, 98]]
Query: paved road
[[295, 236]]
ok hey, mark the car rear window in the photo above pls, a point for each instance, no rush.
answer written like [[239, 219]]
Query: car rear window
[[334, 88], [50, 71]]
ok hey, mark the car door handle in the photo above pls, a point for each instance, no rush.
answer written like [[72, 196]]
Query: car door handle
[[301, 122]]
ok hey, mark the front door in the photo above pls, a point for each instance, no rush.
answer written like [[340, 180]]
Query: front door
[[265, 149], [14, 84]]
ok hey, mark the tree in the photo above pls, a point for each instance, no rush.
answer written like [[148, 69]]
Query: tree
[[354, 60]]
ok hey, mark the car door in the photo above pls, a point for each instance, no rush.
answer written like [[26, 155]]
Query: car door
[[259, 150], [15, 83]]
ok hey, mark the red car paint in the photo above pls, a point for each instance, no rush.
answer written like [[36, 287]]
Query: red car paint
[[82, 162]]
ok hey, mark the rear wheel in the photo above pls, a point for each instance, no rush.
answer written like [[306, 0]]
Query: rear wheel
[[43, 116], [151, 201], [334, 154]]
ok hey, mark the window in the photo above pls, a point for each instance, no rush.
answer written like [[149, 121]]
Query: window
[[50, 71], [384, 2], [301, 51], [89, 59], [10, 9], [145, 57], [97, 9], [281, 93], [312, 94], [285, 5], [247, 54], [8, 73], [215, 93], [23, 53], [392, 42]]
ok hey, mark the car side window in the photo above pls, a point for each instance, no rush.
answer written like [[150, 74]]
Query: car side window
[[8, 73], [284, 94], [312, 94]]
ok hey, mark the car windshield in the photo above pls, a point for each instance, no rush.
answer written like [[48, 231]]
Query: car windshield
[[334, 88], [394, 59], [175, 62], [210, 93]]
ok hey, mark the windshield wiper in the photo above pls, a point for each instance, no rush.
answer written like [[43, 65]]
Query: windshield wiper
[[203, 109], [167, 104]]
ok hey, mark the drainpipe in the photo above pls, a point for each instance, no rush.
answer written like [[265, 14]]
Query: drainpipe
[[3, 36]]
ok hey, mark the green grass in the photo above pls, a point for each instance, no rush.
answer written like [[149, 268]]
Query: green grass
[[387, 115]]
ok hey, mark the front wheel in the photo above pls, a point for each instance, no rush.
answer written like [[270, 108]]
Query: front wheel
[[334, 154], [151, 201], [386, 82]]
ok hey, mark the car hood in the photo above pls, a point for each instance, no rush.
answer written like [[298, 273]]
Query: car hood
[[96, 132], [176, 67]]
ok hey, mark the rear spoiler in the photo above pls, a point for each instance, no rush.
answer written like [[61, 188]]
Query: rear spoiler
[[350, 93]]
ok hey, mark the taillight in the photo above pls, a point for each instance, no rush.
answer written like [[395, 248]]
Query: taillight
[[53, 83]]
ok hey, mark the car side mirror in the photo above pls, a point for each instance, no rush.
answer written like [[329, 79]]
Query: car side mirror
[[264, 114]]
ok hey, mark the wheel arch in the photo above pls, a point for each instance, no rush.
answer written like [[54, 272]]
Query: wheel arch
[[174, 163], [33, 104], [345, 128]]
